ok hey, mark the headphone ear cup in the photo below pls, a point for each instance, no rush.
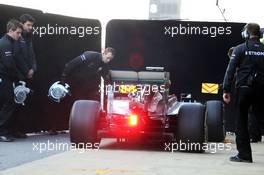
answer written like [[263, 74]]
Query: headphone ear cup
[[247, 36], [244, 34]]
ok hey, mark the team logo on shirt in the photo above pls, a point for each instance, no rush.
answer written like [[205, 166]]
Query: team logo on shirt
[[8, 53], [254, 53], [83, 57]]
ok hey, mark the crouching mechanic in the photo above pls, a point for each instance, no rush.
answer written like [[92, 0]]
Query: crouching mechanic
[[94, 62], [248, 59], [91, 62], [8, 75], [91, 59]]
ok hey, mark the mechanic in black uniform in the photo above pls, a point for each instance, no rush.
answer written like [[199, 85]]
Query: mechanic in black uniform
[[91, 59], [8, 75], [253, 123], [26, 61], [90, 62], [248, 59], [26, 64]]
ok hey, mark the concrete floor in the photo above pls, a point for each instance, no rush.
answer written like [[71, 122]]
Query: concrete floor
[[149, 159], [21, 151]]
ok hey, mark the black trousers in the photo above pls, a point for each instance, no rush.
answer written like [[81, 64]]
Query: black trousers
[[7, 104], [247, 97], [254, 125]]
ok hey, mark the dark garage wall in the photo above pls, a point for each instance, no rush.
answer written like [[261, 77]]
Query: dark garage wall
[[52, 52]]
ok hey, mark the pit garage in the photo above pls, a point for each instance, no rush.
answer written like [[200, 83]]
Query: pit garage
[[160, 111]]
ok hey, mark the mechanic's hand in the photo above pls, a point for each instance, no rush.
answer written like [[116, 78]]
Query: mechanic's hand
[[30, 73], [226, 97]]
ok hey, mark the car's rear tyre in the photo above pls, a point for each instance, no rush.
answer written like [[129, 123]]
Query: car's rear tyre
[[191, 127], [215, 122], [84, 121]]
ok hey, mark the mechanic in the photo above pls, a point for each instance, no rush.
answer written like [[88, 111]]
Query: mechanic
[[96, 63], [8, 75], [25, 60], [26, 64], [248, 59], [91, 59], [253, 125]]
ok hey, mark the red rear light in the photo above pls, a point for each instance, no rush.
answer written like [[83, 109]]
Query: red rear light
[[132, 119]]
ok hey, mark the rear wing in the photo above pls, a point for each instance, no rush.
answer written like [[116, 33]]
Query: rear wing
[[124, 76], [141, 77]]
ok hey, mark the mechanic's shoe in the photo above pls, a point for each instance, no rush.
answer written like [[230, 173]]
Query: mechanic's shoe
[[6, 139], [238, 159], [19, 135]]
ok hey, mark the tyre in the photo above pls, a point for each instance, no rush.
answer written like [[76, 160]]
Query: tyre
[[84, 121], [191, 127], [214, 121]]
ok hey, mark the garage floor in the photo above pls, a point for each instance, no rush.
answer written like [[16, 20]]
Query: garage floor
[[132, 159]]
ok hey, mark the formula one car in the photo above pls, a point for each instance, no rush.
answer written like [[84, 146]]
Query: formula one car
[[138, 105]]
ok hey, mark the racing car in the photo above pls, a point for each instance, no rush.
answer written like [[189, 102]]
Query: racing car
[[138, 105]]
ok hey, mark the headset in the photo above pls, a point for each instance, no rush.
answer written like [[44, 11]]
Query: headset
[[245, 33]]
